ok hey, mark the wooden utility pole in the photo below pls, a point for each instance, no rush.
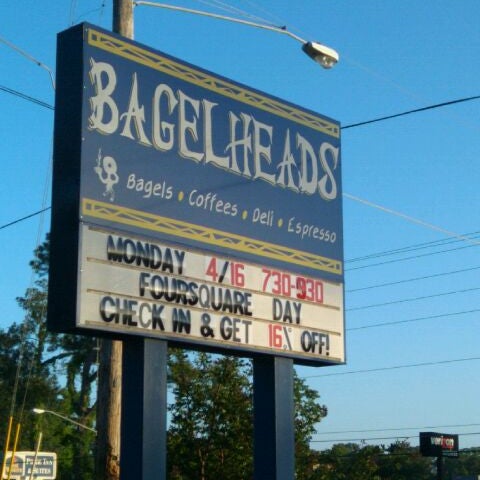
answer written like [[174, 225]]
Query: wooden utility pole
[[107, 462], [123, 17], [110, 368]]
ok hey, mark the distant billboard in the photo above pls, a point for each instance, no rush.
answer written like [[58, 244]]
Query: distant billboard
[[192, 208], [438, 444]]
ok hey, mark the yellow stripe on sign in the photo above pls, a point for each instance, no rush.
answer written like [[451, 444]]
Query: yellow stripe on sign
[[207, 236], [157, 62]]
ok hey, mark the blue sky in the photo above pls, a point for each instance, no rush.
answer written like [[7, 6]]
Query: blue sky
[[395, 56]]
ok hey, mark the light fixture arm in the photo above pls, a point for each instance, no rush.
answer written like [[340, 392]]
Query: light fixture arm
[[29, 57], [63, 417], [327, 57], [222, 17]]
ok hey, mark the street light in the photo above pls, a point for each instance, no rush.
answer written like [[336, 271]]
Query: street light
[[63, 417], [29, 57], [327, 57]]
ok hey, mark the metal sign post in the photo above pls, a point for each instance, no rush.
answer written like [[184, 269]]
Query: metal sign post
[[144, 410], [274, 435], [439, 468]]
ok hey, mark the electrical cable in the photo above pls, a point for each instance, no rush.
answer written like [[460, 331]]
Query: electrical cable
[[398, 429], [73, 6], [409, 280], [412, 299], [26, 217], [411, 219], [412, 320], [415, 257], [348, 440], [275, 18], [410, 248], [232, 10], [396, 367], [386, 453], [23, 336], [398, 437], [26, 97], [409, 112]]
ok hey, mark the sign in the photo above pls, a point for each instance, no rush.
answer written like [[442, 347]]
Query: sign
[[438, 444], [241, 189], [43, 464], [136, 286]]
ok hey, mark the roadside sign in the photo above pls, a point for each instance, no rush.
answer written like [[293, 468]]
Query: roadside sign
[[192, 208], [43, 465]]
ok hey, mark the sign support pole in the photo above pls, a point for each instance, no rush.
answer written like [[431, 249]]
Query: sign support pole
[[39, 444], [440, 468], [143, 451], [274, 433]]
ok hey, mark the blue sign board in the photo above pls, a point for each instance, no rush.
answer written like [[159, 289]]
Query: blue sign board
[[149, 145], [175, 150]]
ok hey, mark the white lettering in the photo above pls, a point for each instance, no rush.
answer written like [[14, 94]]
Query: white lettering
[[163, 132], [180, 121], [137, 113], [187, 126], [103, 102]]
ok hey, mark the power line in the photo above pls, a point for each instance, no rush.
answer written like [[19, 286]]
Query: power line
[[412, 299], [462, 237], [397, 367], [418, 319], [366, 122], [414, 257], [409, 112], [408, 280], [403, 437], [233, 10], [411, 219], [24, 218], [26, 97], [398, 429], [342, 440], [411, 248]]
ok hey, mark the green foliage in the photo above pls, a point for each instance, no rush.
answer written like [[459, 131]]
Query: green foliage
[[351, 461], [211, 418], [307, 414], [54, 372], [467, 464], [403, 462], [211, 431]]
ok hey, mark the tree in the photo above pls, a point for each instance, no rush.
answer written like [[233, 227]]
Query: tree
[[467, 463], [348, 461], [22, 381], [56, 372], [211, 418], [404, 462], [307, 414], [211, 432]]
